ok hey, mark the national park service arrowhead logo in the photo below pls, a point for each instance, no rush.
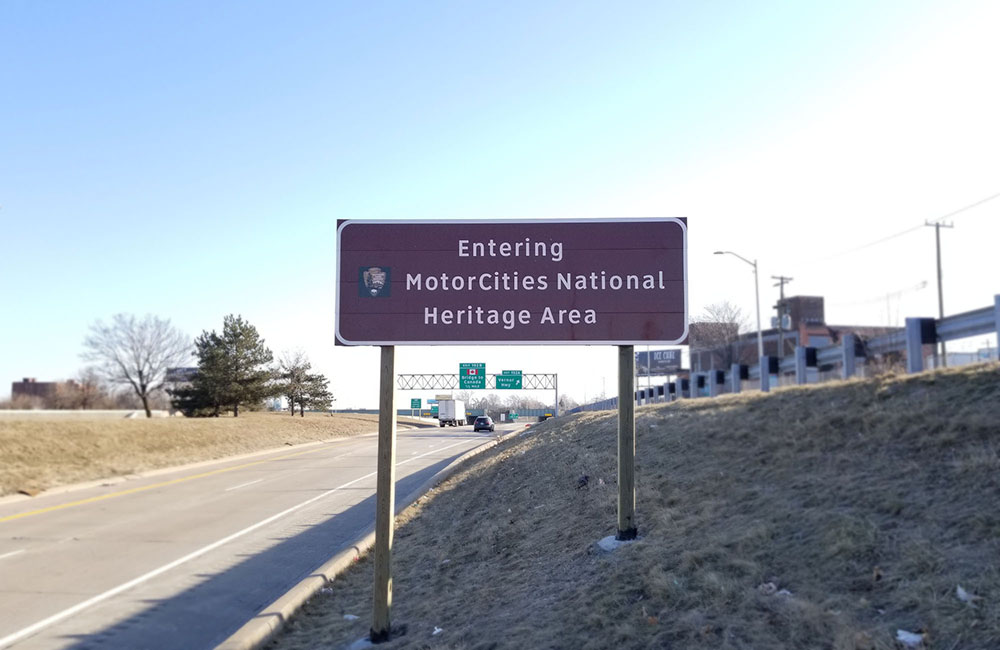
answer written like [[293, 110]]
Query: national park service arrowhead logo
[[374, 282]]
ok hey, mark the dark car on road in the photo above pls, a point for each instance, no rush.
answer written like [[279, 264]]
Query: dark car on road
[[483, 423]]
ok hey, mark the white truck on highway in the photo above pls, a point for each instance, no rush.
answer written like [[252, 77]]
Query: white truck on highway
[[451, 412]]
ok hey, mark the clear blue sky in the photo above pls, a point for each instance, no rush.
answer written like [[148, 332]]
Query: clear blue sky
[[190, 159]]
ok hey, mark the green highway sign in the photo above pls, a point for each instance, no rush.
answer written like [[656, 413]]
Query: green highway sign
[[471, 375], [414, 403], [509, 379]]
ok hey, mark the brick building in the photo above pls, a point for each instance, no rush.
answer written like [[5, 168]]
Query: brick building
[[804, 324], [31, 387]]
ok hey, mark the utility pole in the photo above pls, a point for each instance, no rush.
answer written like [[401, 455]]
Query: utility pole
[[782, 281], [938, 225]]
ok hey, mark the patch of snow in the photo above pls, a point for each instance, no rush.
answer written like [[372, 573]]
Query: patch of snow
[[610, 544], [361, 644]]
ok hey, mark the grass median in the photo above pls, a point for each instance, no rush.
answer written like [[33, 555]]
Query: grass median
[[828, 516], [38, 454]]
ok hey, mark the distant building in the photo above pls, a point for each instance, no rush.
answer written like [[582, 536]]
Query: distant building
[[31, 387], [804, 324], [180, 375]]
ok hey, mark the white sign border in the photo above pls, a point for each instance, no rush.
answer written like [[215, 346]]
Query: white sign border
[[339, 338]]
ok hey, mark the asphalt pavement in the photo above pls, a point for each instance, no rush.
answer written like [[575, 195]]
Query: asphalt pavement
[[183, 558]]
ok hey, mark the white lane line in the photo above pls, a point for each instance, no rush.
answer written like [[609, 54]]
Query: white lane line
[[12, 553], [242, 485], [75, 609]]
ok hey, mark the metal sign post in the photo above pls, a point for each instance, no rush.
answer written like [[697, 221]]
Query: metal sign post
[[626, 444], [385, 500]]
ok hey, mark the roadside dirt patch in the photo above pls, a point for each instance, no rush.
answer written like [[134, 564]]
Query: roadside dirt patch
[[814, 517]]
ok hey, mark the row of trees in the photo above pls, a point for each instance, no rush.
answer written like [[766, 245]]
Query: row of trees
[[235, 367], [86, 391]]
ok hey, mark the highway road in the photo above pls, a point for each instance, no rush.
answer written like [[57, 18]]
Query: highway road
[[183, 558]]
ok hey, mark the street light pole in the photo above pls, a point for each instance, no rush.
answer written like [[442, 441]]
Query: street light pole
[[756, 286]]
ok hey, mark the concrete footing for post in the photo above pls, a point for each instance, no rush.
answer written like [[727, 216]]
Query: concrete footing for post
[[361, 644], [611, 543]]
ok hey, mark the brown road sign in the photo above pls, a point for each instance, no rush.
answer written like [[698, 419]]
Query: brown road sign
[[516, 282]]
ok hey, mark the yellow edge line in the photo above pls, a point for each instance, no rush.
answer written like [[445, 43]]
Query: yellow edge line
[[151, 487]]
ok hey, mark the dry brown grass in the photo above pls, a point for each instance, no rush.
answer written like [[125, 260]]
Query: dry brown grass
[[42, 453], [869, 501]]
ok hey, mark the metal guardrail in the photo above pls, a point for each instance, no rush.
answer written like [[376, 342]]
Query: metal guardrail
[[893, 342], [971, 323], [977, 322], [829, 354]]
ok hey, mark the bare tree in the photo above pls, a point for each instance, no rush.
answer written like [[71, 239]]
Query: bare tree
[[567, 403], [86, 391], [293, 369], [301, 387], [716, 332], [136, 353], [491, 404], [514, 402]]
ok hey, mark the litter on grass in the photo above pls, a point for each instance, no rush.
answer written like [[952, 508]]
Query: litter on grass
[[965, 596], [436, 631], [350, 617], [909, 639]]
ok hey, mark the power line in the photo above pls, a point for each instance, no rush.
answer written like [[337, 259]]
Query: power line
[[913, 229], [882, 297], [968, 207], [874, 243]]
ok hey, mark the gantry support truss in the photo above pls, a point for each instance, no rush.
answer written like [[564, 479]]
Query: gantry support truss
[[450, 382]]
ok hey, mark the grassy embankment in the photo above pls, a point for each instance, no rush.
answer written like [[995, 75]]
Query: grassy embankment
[[868, 502], [36, 454]]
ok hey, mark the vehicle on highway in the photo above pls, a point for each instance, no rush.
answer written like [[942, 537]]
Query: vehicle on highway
[[451, 412], [484, 423]]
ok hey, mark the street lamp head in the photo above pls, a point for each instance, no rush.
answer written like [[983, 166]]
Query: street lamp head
[[719, 253]]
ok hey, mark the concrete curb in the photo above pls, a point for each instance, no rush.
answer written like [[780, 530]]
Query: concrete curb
[[259, 630]]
